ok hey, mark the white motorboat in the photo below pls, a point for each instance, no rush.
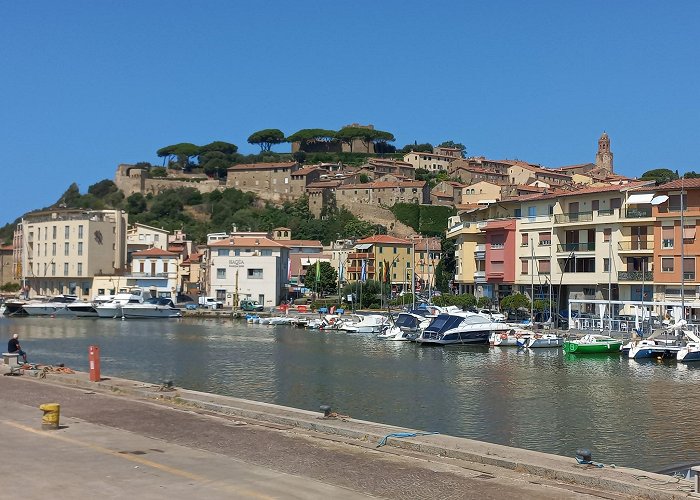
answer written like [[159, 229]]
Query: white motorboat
[[372, 323], [152, 308], [113, 308], [546, 340], [83, 309], [460, 328], [406, 326], [51, 307], [515, 337]]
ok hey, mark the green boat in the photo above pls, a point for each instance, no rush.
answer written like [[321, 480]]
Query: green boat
[[593, 344]]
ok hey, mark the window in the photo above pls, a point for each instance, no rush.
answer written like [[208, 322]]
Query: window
[[66, 232], [606, 265], [66, 249], [53, 249], [80, 269], [65, 269], [523, 240], [80, 248], [607, 232], [689, 268], [54, 231], [595, 205], [523, 266], [53, 269], [518, 213], [165, 267], [666, 264], [142, 266], [80, 231], [237, 253], [266, 252], [221, 273], [255, 274], [156, 237], [396, 250], [667, 236], [615, 203], [544, 266], [674, 202], [545, 239], [223, 252]]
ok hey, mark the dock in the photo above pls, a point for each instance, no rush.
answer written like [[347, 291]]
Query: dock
[[123, 437]]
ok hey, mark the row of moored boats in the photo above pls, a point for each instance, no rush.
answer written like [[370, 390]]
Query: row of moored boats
[[132, 303]]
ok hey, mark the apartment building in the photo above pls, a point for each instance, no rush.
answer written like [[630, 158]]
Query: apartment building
[[8, 269], [470, 255], [155, 270], [142, 237], [270, 181], [63, 249], [433, 162], [386, 193], [247, 266], [447, 193], [375, 254]]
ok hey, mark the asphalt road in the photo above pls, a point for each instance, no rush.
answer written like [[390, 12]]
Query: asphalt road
[[113, 446]]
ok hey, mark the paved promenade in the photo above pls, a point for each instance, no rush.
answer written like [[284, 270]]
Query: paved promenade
[[120, 438]]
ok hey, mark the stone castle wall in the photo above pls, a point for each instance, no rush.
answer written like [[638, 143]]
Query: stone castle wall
[[130, 179]]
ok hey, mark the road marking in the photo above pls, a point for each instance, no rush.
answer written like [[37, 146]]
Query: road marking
[[143, 461]]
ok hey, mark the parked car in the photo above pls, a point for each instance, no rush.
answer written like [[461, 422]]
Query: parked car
[[210, 303], [251, 305]]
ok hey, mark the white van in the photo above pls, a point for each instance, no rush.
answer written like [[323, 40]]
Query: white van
[[210, 303]]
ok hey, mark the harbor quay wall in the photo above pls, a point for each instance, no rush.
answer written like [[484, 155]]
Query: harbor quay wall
[[620, 480]]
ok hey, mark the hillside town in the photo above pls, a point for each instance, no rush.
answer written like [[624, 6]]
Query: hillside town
[[572, 233]]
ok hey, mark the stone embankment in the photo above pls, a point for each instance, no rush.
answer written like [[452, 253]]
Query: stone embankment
[[337, 454]]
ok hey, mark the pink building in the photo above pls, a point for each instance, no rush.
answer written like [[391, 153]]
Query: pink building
[[500, 256]]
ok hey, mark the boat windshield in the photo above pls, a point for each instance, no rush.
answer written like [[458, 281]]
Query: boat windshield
[[444, 322], [407, 321]]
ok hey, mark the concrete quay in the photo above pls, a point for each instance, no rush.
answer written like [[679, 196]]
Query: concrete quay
[[121, 437]]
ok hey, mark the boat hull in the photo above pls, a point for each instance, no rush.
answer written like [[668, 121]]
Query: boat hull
[[150, 313], [688, 355], [473, 338], [573, 347], [545, 342]]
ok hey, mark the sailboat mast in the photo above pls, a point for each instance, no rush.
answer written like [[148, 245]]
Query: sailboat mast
[[532, 280], [610, 283]]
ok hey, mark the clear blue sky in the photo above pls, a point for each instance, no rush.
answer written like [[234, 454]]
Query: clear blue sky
[[88, 84]]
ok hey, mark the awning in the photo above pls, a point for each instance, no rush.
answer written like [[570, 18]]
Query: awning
[[364, 246], [640, 199]]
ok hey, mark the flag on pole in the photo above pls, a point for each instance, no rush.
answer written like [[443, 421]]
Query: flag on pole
[[363, 274], [318, 270], [289, 269]]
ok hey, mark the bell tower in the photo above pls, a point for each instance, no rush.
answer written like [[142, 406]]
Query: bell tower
[[604, 157]]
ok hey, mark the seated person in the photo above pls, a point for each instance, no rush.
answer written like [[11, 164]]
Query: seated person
[[13, 346]]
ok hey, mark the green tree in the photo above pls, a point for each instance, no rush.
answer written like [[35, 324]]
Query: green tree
[[308, 136], [691, 175], [452, 144], [266, 138], [418, 148], [182, 152], [484, 302], [515, 302], [10, 287], [660, 175], [220, 147], [327, 281], [103, 188], [136, 204]]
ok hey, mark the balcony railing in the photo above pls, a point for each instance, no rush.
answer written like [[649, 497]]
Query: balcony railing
[[638, 213], [689, 276], [480, 275], [576, 247], [636, 245], [573, 217], [635, 276], [479, 248], [608, 211], [360, 255]]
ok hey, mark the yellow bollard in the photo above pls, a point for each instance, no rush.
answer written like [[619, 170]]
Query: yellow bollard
[[52, 413]]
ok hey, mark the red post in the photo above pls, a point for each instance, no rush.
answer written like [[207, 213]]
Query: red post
[[94, 358]]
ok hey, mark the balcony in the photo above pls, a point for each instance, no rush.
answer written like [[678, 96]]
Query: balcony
[[635, 275], [531, 219], [358, 269], [636, 246], [576, 247], [638, 213], [361, 255], [573, 217], [605, 212], [480, 277], [479, 248]]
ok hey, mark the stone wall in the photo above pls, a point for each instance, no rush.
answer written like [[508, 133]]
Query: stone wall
[[130, 179]]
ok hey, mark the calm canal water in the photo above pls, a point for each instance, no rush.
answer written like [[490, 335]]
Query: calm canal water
[[628, 413]]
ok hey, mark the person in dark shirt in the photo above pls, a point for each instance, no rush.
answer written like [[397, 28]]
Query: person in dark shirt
[[13, 346]]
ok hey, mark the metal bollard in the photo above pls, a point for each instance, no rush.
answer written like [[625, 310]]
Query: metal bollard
[[94, 359], [51, 417]]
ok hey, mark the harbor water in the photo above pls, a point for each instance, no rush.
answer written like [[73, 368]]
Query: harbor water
[[639, 414]]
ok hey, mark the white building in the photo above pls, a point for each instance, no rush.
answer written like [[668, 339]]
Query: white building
[[247, 266], [155, 270]]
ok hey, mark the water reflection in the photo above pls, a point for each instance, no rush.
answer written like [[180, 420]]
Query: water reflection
[[628, 413]]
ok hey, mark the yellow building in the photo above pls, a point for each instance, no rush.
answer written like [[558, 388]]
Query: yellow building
[[470, 254], [377, 252]]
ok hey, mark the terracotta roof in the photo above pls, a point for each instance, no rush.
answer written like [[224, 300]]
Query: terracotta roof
[[307, 170], [262, 166], [324, 184], [302, 243], [480, 170], [583, 191], [247, 242], [154, 252], [7, 247], [281, 228], [433, 244], [681, 183], [569, 167], [192, 258], [383, 238]]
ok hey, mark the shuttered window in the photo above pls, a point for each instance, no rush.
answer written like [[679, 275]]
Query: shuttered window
[[544, 266]]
